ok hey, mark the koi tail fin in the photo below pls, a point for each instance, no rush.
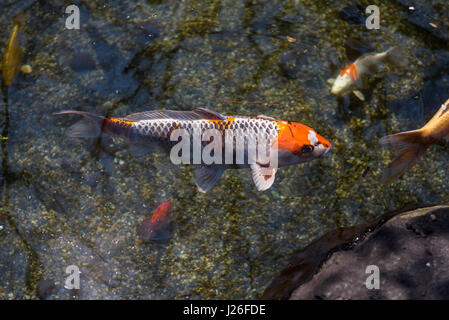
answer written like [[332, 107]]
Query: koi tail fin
[[396, 56], [409, 147], [88, 127], [19, 19]]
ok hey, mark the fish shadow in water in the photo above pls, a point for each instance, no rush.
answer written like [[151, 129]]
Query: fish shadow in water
[[349, 105], [159, 236], [150, 232]]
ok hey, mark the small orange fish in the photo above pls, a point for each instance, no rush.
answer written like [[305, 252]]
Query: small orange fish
[[351, 70], [410, 146], [153, 229], [353, 77]]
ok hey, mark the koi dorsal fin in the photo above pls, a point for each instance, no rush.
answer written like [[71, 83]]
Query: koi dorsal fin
[[265, 117], [197, 114], [163, 114], [209, 114]]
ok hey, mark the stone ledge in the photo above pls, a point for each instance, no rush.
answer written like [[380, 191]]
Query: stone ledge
[[411, 250]]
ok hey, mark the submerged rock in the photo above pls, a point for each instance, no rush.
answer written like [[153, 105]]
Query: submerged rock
[[356, 47], [409, 248], [82, 61], [148, 29], [353, 14], [292, 64], [429, 19], [45, 287]]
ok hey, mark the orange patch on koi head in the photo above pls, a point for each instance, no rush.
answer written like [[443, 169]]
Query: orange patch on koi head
[[300, 140], [351, 71], [292, 136]]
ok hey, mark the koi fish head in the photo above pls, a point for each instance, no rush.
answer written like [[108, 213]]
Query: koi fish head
[[345, 80], [299, 143]]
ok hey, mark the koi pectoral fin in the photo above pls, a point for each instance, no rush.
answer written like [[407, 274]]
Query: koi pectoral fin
[[359, 95], [207, 176], [263, 177]]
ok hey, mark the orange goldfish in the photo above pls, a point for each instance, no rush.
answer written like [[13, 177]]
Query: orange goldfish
[[154, 228], [354, 77], [293, 142], [10, 64], [410, 146]]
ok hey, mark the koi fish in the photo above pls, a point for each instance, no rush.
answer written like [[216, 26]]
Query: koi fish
[[294, 142], [154, 228], [410, 146], [354, 77], [11, 60]]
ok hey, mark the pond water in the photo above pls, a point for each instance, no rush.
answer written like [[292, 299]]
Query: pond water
[[67, 201]]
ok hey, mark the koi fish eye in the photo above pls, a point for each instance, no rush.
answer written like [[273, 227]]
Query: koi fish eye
[[307, 148]]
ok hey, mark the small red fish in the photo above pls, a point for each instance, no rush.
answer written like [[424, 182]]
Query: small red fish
[[154, 228]]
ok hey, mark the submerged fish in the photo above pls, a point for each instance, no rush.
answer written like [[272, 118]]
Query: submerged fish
[[11, 60], [294, 142], [354, 77], [410, 146], [154, 228]]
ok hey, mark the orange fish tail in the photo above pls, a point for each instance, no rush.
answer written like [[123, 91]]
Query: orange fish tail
[[92, 125], [409, 147]]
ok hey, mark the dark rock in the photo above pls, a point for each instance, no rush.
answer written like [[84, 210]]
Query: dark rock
[[402, 248], [355, 48], [411, 252], [147, 30], [45, 287], [292, 63], [353, 14], [296, 17], [82, 61], [429, 19]]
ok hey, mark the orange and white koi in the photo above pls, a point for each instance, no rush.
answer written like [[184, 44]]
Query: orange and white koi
[[154, 228], [354, 76], [410, 146], [294, 142]]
